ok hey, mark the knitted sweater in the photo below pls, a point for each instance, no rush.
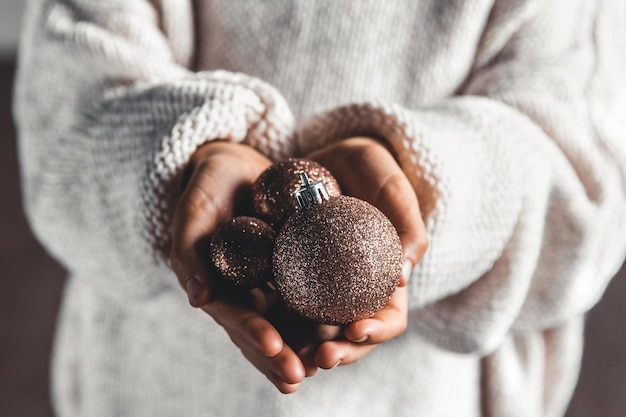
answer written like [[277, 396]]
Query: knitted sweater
[[507, 116]]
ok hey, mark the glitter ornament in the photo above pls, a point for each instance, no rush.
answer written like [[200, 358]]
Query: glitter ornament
[[241, 250], [337, 259], [271, 191]]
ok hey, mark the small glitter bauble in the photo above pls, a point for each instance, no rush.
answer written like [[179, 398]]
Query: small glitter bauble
[[337, 262], [241, 250], [271, 192]]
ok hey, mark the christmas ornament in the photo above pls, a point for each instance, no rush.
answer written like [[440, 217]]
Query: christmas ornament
[[337, 259], [272, 190], [241, 250]]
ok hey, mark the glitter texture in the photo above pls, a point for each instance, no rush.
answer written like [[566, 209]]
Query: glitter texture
[[241, 250], [272, 191], [337, 262]]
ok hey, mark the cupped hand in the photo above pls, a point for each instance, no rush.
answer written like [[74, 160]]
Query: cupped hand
[[221, 174], [365, 169]]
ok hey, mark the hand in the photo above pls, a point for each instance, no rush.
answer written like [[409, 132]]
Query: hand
[[367, 170], [221, 173]]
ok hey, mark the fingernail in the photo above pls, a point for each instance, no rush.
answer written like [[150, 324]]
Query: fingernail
[[193, 286], [336, 364], [407, 268], [360, 340]]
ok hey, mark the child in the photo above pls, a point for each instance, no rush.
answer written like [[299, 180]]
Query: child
[[499, 123]]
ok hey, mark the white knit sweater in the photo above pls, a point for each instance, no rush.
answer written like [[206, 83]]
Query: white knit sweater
[[507, 116]]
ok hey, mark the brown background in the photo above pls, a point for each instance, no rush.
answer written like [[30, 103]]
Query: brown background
[[31, 283]]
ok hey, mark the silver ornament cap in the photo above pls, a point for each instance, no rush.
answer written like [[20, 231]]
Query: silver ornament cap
[[310, 193]]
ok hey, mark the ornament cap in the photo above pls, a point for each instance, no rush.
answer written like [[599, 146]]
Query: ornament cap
[[310, 193]]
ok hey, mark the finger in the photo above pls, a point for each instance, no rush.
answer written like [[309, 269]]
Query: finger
[[281, 385], [263, 301], [286, 365], [247, 326], [397, 200], [322, 333], [386, 324], [196, 216], [307, 356], [340, 352], [325, 332], [259, 342]]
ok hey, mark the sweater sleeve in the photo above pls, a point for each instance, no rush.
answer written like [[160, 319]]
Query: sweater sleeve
[[108, 114], [520, 177]]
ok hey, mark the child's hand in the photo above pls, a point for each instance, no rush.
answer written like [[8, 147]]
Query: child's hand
[[366, 169], [221, 173]]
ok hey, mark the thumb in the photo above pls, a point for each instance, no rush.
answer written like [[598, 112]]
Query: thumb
[[196, 216], [367, 170], [222, 173], [397, 200]]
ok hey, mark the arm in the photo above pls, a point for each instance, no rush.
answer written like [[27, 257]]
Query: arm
[[109, 114], [520, 179]]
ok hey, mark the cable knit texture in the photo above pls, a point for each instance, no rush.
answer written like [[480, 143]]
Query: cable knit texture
[[507, 116]]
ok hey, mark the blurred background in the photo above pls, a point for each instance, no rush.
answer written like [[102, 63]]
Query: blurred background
[[31, 285]]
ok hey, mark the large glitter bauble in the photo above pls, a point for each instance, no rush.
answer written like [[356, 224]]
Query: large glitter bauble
[[337, 262], [241, 250], [271, 192]]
